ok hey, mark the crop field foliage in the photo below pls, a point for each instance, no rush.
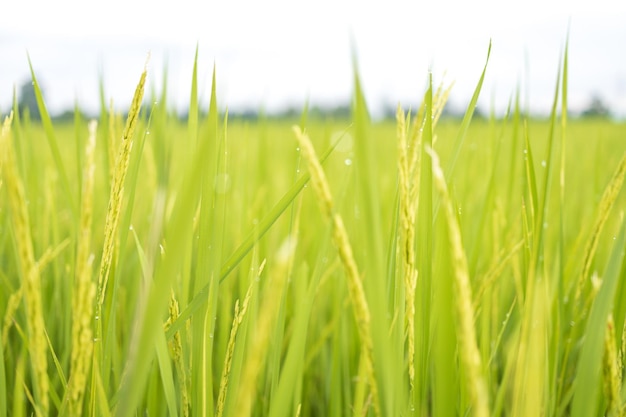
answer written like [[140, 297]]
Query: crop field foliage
[[428, 267]]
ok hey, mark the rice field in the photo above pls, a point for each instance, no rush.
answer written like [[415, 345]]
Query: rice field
[[417, 267]]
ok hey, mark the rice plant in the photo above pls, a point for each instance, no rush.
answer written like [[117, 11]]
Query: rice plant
[[420, 266]]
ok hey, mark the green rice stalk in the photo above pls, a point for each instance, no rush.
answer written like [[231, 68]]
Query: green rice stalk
[[248, 243], [622, 352], [588, 378], [266, 319], [46, 122], [84, 288], [112, 140], [342, 242], [3, 383], [29, 270], [468, 346]]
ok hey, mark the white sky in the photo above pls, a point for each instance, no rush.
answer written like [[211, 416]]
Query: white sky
[[275, 53]]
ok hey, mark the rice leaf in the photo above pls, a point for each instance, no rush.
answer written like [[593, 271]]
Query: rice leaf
[[53, 143], [589, 366]]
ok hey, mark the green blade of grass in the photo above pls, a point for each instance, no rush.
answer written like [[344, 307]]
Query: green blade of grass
[[210, 228], [167, 376], [244, 248], [53, 143], [424, 260], [467, 118], [589, 367], [3, 383]]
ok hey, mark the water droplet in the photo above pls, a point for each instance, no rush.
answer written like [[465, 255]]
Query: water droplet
[[147, 132], [348, 162], [97, 317], [298, 149], [525, 151], [543, 163], [131, 227]]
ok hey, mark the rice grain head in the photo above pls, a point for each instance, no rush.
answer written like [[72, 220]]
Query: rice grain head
[[468, 346], [606, 203], [176, 351], [31, 284], [342, 242], [611, 375], [117, 193], [408, 202], [230, 350], [12, 305], [84, 287]]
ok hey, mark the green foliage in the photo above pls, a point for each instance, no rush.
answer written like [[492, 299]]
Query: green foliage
[[214, 209]]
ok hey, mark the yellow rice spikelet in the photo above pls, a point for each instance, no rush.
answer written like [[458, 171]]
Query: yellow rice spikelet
[[468, 346], [38, 344], [12, 305], [409, 170], [230, 350], [176, 350], [265, 320], [342, 242], [84, 287], [606, 203], [408, 201], [117, 192], [612, 379]]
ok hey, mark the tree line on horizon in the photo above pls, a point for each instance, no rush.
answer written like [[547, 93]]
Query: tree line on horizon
[[27, 104]]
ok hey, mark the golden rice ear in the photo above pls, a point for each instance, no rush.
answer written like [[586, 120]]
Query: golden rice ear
[[117, 192], [31, 280], [610, 370], [230, 349], [342, 242], [468, 346], [606, 203], [84, 287], [176, 351]]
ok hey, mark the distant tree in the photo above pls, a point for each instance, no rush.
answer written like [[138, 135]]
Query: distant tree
[[596, 108], [28, 100]]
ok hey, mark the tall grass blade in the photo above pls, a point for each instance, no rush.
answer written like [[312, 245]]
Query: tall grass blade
[[257, 232], [467, 118], [589, 366], [3, 381], [52, 142]]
